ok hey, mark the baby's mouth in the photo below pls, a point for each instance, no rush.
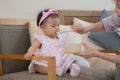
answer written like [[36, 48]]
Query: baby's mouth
[[56, 33]]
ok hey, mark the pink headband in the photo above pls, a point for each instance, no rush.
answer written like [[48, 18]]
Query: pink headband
[[46, 14]]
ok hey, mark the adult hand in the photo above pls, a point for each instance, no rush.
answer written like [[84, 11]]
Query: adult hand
[[88, 52], [79, 28]]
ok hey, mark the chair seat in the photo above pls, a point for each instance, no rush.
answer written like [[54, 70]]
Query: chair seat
[[86, 74]]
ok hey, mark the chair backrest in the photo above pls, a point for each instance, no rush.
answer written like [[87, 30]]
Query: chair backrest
[[14, 38]]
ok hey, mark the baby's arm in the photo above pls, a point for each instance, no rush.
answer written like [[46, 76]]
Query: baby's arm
[[32, 49]]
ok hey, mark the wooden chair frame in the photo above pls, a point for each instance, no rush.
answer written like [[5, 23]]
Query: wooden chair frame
[[50, 60]]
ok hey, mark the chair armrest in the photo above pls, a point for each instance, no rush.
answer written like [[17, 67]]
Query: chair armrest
[[117, 52], [51, 63], [111, 51]]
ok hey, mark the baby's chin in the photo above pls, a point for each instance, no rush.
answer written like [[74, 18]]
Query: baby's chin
[[57, 33]]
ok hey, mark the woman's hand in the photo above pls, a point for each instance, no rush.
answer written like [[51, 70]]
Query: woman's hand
[[78, 28], [88, 52]]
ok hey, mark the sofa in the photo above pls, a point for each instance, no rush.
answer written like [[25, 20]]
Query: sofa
[[15, 39]]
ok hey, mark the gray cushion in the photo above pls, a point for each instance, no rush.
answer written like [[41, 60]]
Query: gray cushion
[[14, 40], [108, 40], [104, 14], [86, 74]]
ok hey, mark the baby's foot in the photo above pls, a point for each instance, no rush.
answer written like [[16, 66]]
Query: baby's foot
[[75, 70], [59, 71]]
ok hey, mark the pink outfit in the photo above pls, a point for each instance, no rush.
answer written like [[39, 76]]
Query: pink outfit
[[54, 47]]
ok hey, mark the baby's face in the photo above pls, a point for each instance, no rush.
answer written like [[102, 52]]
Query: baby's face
[[51, 27]]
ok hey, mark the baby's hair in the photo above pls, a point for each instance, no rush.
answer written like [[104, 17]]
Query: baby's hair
[[40, 15]]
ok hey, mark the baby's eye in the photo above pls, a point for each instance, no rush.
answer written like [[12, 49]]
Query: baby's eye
[[53, 26], [56, 26]]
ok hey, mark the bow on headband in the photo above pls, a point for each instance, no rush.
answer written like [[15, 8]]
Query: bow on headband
[[46, 14]]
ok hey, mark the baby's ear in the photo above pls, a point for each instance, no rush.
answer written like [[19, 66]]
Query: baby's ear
[[42, 26]]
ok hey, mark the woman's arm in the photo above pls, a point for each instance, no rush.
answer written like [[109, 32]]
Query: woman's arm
[[90, 52], [112, 58], [98, 26]]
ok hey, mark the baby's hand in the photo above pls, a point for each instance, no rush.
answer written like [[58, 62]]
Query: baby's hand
[[28, 56]]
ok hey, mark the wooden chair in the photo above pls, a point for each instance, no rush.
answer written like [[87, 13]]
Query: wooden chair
[[50, 60]]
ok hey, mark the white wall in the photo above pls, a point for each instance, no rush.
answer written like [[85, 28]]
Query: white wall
[[29, 8]]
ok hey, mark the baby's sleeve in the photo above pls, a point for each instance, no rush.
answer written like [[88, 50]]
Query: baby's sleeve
[[38, 37]]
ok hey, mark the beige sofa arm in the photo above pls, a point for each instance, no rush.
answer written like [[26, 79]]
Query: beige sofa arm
[[50, 60]]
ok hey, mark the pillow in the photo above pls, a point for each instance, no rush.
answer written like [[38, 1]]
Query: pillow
[[72, 44], [104, 14], [33, 29], [85, 36], [79, 21], [108, 40]]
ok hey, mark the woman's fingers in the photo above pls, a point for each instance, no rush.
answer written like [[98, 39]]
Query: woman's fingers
[[85, 45]]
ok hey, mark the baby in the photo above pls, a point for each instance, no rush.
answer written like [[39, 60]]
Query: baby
[[52, 44]]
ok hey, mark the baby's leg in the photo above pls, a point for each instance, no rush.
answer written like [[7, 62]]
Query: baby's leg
[[74, 70], [59, 71], [40, 69], [81, 61]]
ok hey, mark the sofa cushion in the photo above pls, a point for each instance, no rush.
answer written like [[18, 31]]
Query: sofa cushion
[[14, 40], [86, 74], [108, 40]]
